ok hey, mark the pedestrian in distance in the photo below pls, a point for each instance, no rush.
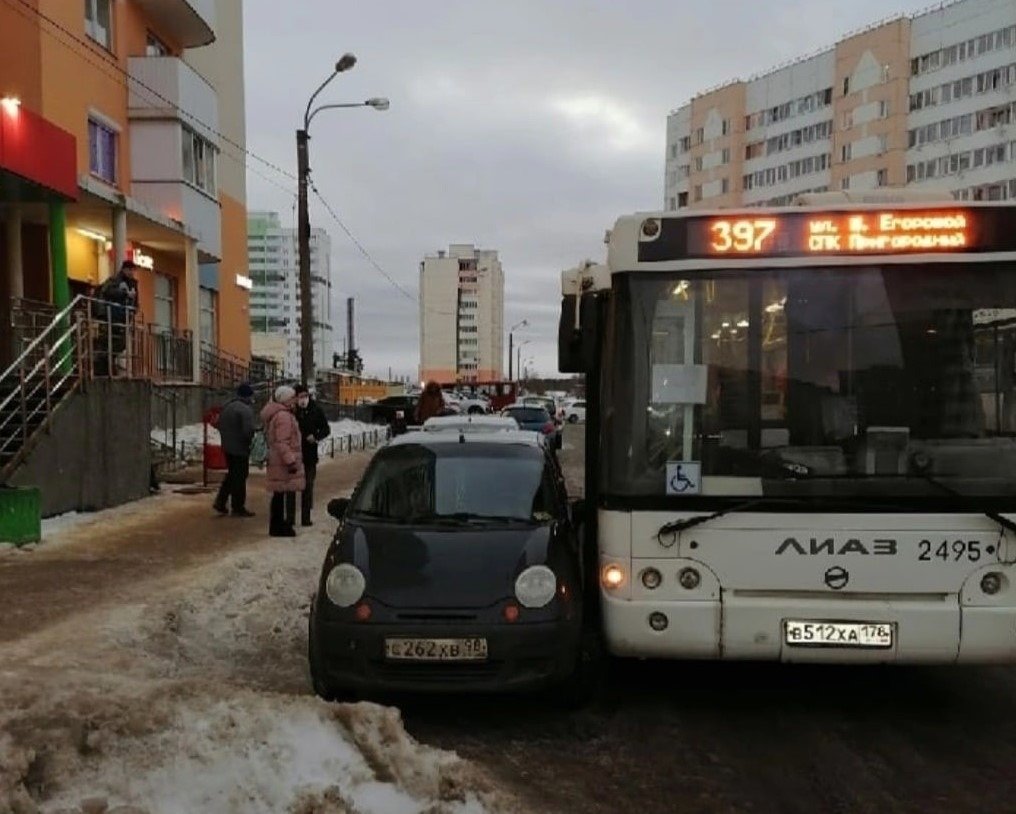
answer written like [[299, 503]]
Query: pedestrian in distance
[[115, 306], [314, 428], [236, 426], [284, 475], [431, 403]]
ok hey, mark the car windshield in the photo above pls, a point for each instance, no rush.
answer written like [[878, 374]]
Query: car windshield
[[879, 381], [529, 415], [415, 483]]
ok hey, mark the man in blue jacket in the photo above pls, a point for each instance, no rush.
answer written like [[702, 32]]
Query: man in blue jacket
[[236, 427]]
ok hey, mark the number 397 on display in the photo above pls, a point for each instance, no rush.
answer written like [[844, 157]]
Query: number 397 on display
[[743, 236]]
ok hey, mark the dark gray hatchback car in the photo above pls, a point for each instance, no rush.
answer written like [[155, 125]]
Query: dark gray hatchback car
[[455, 567]]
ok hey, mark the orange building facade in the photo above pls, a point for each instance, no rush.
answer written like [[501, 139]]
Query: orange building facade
[[151, 93]]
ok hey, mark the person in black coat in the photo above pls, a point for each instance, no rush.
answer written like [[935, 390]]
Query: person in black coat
[[314, 427], [236, 426]]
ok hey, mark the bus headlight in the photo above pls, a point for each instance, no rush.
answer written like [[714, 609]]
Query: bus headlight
[[991, 583], [689, 578], [345, 585], [612, 576], [651, 578], [535, 586]]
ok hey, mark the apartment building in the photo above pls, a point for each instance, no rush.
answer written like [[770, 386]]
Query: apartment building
[[123, 137], [461, 315], [926, 100], [275, 296]]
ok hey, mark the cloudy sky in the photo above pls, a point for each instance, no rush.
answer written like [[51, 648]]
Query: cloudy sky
[[525, 126]]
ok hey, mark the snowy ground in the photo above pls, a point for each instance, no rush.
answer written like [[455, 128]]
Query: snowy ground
[[190, 695], [191, 437]]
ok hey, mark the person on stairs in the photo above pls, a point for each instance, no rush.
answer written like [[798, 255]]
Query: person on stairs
[[284, 476], [314, 428]]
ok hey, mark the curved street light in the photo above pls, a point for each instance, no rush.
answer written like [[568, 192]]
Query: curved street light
[[511, 336], [345, 63]]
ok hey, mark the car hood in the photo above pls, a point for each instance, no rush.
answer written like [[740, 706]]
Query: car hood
[[437, 567]]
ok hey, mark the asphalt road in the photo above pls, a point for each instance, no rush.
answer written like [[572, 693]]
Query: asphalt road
[[688, 737]]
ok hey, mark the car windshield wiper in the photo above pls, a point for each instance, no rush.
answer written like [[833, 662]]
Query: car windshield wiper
[[468, 518], [376, 515]]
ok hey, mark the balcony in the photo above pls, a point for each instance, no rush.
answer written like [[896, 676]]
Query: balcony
[[166, 96], [169, 88], [190, 22]]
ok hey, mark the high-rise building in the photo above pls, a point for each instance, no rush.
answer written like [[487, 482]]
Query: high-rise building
[[926, 100], [122, 136], [275, 298], [461, 315]]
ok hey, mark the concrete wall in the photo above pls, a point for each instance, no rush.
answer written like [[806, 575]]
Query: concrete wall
[[190, 403], [97, 453]]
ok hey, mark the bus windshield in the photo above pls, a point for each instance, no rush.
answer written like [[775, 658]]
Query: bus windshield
[[882, 381]]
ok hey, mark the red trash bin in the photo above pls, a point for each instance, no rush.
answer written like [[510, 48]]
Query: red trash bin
[[213, 456]]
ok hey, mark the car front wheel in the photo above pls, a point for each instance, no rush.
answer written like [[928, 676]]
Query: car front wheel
[[573, 419]]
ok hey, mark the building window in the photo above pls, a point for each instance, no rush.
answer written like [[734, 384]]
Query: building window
[[845, 152], [885, 74], [682, 200], [102, 150], [209, 325], [845, 183], [165, 303], [725, 128], [882, 178], [698, 164], [725, 156], [883, 109], [198, 161], [99, 22], [725, 186], [846, 85], [154, 47]]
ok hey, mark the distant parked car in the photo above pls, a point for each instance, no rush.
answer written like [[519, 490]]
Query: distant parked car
[[536, 419], [395, 411], [456, 567], [574, 412]]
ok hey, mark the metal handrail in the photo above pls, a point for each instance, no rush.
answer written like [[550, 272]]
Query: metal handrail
[[38, 340]]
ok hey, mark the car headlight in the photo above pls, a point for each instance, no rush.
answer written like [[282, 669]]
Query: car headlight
[[345, 585], [536, 586]]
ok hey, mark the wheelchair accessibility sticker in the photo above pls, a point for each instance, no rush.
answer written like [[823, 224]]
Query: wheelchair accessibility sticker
[[684, 477]]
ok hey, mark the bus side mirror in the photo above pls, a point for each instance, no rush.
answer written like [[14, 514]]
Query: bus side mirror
[[577, 348], [337, 507]]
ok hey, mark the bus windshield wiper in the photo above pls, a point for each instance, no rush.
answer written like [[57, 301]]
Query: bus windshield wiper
[[1004, 522], [677, 526]]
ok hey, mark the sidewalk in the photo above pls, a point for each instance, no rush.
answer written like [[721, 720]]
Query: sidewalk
[[104, 559]]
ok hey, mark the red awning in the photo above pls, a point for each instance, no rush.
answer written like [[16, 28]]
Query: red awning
[[38, 151]]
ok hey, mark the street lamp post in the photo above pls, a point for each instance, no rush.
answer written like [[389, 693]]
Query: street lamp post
[[511, 333], [303, 216], [518, 355]]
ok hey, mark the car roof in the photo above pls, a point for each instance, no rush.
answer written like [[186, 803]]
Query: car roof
[[430, 439], [473, 423]]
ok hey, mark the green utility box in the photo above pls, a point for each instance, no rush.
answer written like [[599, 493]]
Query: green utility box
[[20, 515]]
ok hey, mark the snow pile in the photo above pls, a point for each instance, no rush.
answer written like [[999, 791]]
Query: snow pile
[[191, 438], [192, 696]]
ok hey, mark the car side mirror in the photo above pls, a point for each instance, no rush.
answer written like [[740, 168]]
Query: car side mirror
[[337, 507], [577, 511]]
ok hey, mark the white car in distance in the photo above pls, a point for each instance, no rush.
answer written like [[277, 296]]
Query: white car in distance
[[574, 412]]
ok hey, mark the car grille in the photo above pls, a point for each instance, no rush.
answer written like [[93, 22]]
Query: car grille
[[437, 673], [435, 616]]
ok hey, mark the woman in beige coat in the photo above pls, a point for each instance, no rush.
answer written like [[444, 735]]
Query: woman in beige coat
[[285, 461]]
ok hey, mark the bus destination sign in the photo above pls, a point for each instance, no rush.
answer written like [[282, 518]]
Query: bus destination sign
[[828, 234]]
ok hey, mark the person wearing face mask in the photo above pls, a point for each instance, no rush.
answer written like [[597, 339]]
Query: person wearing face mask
[[313, 429]]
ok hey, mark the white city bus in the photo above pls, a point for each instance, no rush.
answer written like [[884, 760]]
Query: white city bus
[[801, 431]]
